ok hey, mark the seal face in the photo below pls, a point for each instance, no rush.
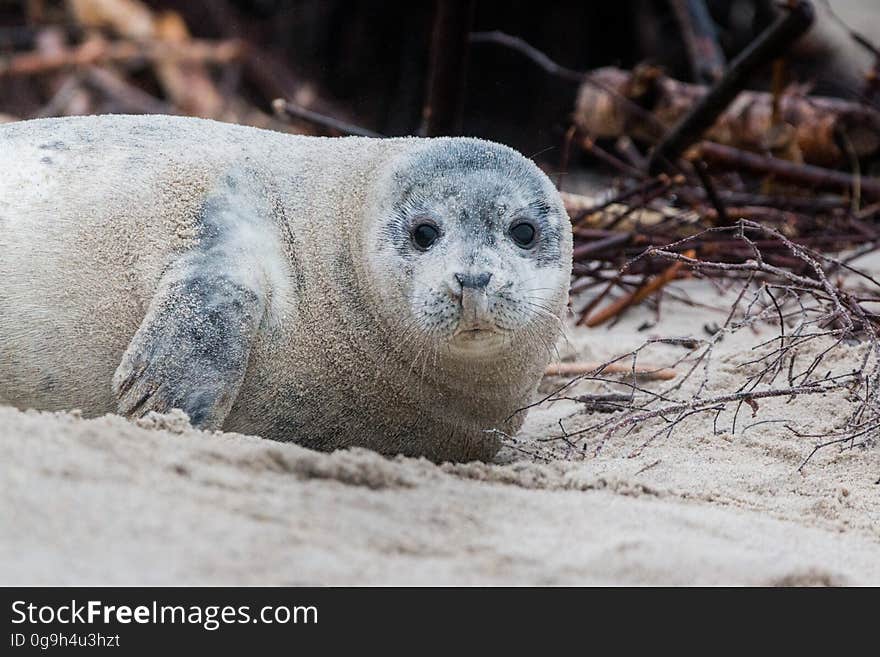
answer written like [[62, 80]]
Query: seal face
[[469, 240], [403, 295]]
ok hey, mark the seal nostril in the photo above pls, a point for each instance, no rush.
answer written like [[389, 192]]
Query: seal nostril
[[475, 281]]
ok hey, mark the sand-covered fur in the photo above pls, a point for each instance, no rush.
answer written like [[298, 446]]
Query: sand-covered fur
[[267, 283]]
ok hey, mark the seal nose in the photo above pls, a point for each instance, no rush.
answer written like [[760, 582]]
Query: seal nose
[[474, 301], [474, 281]]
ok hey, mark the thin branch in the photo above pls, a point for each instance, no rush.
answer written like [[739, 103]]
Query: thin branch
[[286, 110]]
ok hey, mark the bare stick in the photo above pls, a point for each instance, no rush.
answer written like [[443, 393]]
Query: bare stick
[[700, 39], [286, 110], [551, 67], [649, 288], [646, 372], [802, 174], [538, 57]]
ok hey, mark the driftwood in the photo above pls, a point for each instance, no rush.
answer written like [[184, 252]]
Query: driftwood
[[641, 371], [653, 285], [187, 84], [120, 94], [769, 45], [808, 124], [97, 51], [801, 174], [131, 19]]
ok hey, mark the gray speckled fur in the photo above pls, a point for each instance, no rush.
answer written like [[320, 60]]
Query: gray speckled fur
[[264, 283]]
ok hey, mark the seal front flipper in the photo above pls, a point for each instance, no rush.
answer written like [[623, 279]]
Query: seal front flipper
[[191, 350]]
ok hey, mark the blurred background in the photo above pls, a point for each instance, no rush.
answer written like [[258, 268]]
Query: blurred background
[[393, 68]]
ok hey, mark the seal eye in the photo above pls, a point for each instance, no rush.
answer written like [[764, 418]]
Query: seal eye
[[523, 233], [424, 235]]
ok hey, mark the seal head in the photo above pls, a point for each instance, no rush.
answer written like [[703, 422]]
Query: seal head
[[470, 249]]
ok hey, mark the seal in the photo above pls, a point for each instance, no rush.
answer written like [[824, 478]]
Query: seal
[[403, 295]]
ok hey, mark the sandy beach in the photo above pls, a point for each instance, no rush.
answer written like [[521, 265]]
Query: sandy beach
[[106, 501]]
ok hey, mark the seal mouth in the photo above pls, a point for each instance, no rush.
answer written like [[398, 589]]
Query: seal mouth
[[475, 332], [477, 342], [482, 332]]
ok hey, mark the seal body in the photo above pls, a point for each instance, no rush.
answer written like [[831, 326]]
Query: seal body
[[333, 292]]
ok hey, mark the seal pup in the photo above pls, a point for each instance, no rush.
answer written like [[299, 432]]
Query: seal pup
[[403, 294]]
